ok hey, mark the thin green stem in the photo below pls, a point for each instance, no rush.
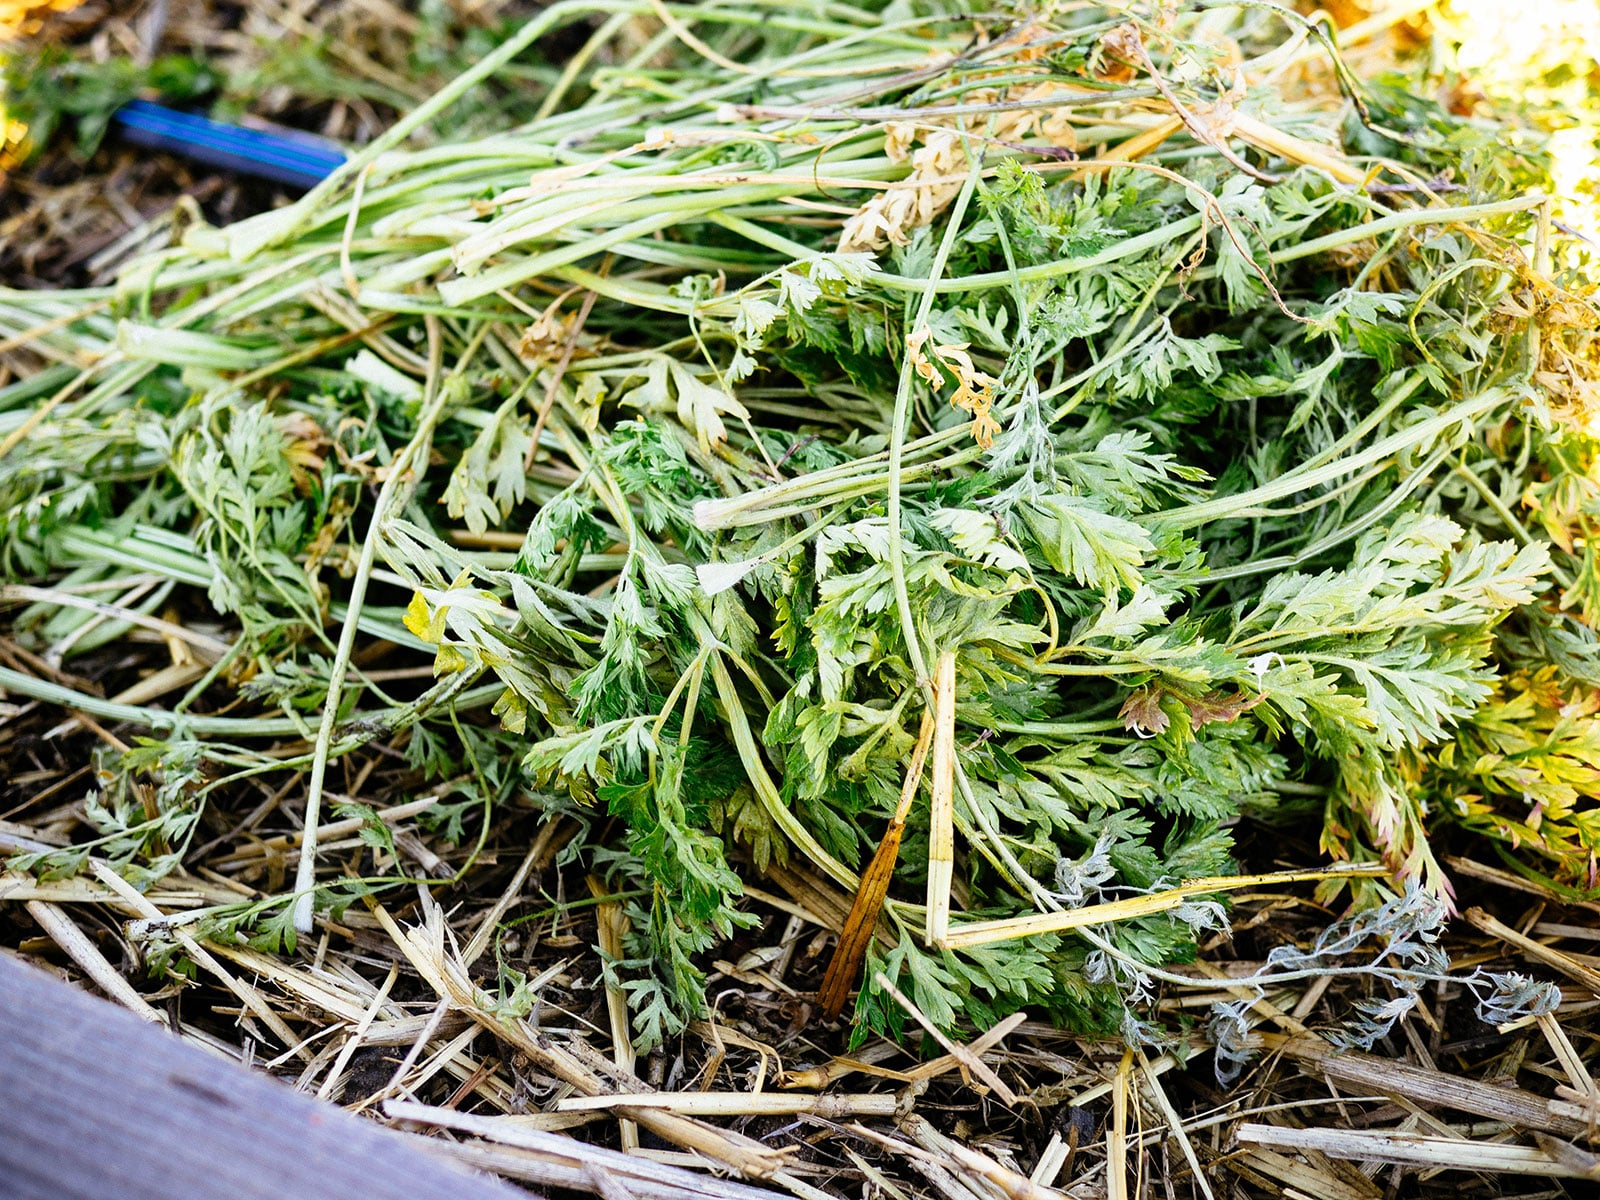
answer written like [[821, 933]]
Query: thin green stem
[[1191, 515], [415, 451]]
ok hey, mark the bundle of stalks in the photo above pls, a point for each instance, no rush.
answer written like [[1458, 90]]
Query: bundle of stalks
[[1168, 441]]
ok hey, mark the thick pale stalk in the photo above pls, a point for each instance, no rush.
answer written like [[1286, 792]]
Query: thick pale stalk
[[941, 810], [1007, 929]]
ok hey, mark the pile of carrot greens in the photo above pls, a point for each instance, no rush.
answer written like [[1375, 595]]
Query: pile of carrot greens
[[1226, 419]]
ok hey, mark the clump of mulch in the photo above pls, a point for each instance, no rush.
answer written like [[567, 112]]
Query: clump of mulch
[[399, 1007]]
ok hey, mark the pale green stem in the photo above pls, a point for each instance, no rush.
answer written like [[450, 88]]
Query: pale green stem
[[393, 485], [897, 433], [1191, 515], [1346, 533], [1508, 518], [991, 846], [161, 720], [251, 237]]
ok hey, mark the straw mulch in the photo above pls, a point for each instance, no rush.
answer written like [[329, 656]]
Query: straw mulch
[[392, 1012]]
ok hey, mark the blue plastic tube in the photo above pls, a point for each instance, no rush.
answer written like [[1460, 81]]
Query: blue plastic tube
[[297, 159]]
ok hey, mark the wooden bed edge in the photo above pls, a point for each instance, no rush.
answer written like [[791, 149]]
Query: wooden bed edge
[[95, 1102]]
